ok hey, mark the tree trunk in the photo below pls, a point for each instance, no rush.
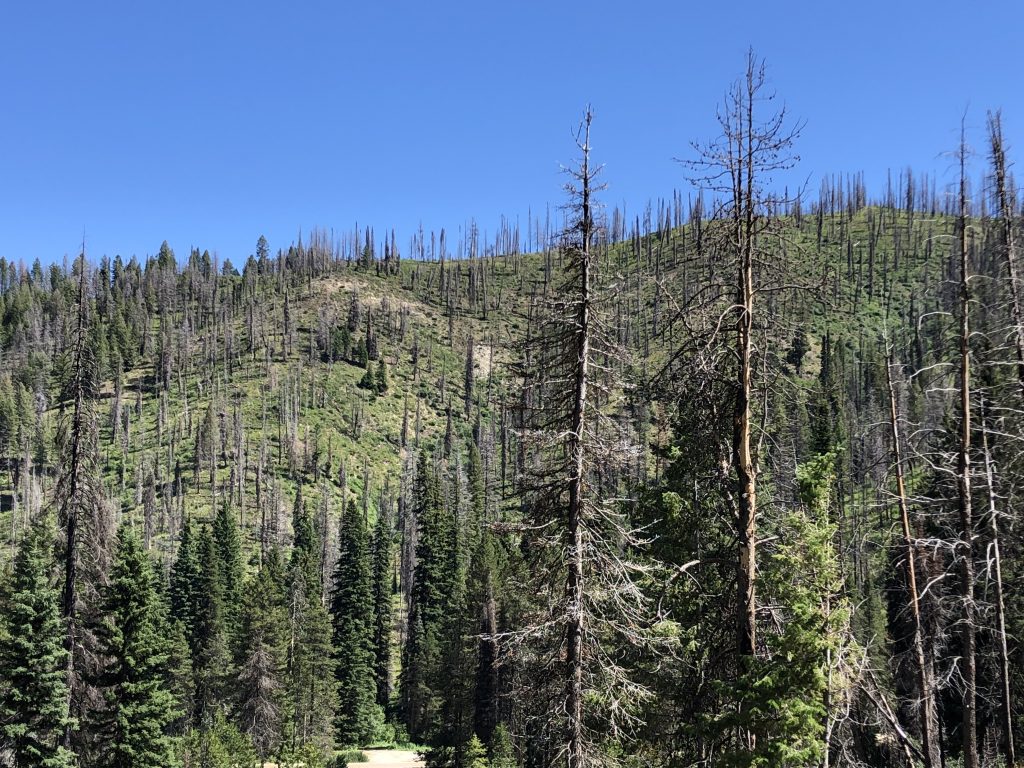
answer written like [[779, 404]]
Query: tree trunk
[[746, 472], [965, 547], [1004, 655], [926, 702], [995, 129], [574, 577]]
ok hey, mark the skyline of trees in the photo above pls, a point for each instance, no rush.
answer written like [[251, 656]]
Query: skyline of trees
[[729, 483]]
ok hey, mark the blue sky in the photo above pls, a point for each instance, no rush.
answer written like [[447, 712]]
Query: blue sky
[[210, 123]]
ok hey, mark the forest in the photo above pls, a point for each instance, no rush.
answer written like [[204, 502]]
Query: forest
[[728, 481]]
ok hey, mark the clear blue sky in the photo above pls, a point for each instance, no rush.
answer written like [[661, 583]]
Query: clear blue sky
[[209, 123]]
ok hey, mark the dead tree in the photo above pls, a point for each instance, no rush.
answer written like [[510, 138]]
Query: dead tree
[[81, 513], [736, 166], [579, 543], [925, 680], [965, 546], [1005, 204]]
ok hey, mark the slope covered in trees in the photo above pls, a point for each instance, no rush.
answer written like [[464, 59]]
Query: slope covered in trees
[[731, 482]]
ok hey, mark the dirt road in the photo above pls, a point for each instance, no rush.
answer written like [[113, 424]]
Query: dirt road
[[390, 758]]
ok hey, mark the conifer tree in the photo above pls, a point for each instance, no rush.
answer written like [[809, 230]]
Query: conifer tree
[[229, 552], [33, 660], [483, 623], [352, 607], [140, 706], [262, 658], [431, 589], [310, 681], [383, 612], [208, 641], [380, 381], [184, 577]]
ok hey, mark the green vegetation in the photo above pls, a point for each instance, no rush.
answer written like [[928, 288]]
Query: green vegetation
[[572, 507]]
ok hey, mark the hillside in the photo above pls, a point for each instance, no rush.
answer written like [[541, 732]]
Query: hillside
[[425, 393]]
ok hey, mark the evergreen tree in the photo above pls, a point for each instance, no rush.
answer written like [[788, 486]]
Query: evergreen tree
[[432, 577], [229, 552], [140, 706], [380, 381], [218, 745], [431, 592], [184, 577], [262, 658], [33, 660], [383, 612], [502, 754], [311, 685], [358, 716], [482, 621], [209, 640]]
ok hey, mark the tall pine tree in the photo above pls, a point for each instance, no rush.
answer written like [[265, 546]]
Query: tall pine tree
[[311, 685], [140, 705], [358, 717], [383, 611], [263, 656], [33, 660]]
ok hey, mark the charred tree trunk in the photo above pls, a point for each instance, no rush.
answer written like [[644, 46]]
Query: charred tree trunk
[[926, 704], [965, 546]]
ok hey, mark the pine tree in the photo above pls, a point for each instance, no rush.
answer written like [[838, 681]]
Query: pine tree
[[208, 641], [262, 657], [502, 754], [383, 612], [184, 577], [311, 685], [357, 716], [380, 381], [483, 623], [141, 707], [229, 552], [431, 590], [33, 660]]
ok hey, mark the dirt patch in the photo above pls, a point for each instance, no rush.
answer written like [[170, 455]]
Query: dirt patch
[[393, 758]]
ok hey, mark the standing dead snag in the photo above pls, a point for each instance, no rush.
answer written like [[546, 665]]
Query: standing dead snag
[[577, 457], [78, 502], [1005, 204], [965, 546], [735, 166], [925, 680]]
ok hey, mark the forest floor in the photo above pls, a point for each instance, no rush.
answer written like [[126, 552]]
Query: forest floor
[[393, 758], [387, 758]]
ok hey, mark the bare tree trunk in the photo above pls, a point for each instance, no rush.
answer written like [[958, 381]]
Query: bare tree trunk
[[965, 548], [926, 705], [574, 577], [995, 132], [997, 565], [71, 497], [746, 472]]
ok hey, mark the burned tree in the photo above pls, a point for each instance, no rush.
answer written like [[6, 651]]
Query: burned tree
[[577, 538]]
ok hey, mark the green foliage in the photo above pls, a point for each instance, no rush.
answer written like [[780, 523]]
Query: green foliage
[[311, 685], [502, 754], [208, 641], [218, 745], [263, 657], [229, 553], [474, 755], [436, 599], [781, 695], [140, 705], [383, 607], [33, 686], [380, 379], [348, 756], [358, 719]]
